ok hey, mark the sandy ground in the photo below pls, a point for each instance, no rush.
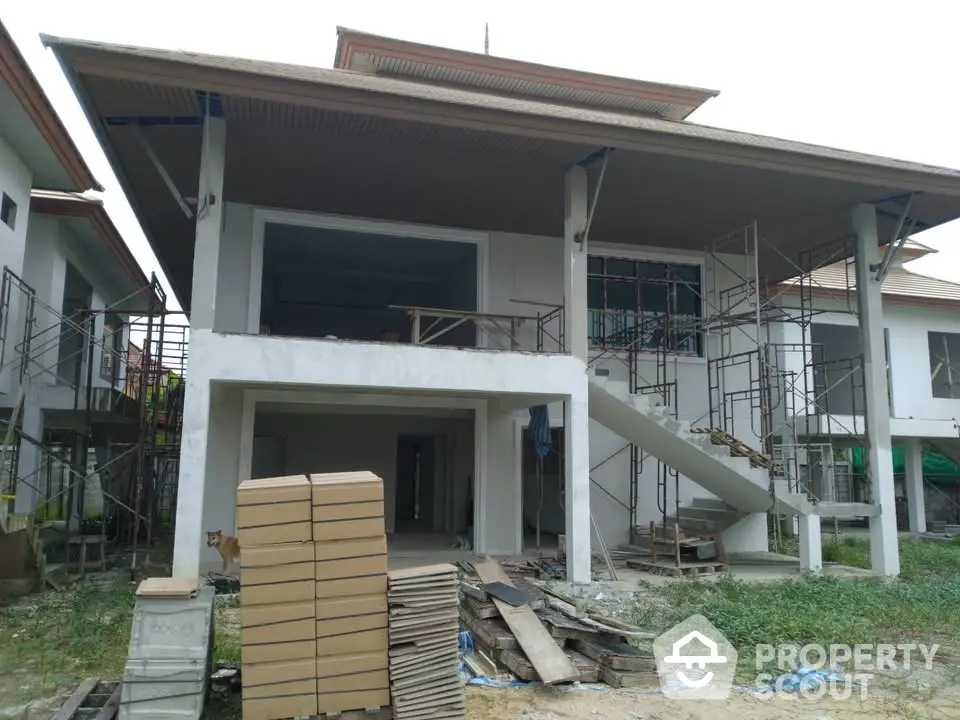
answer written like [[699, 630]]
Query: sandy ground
[[539, 703]]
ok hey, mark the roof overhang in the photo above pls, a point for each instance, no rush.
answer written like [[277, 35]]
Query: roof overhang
[[390, 57], [34, 130], [353, 144], [134, 291]]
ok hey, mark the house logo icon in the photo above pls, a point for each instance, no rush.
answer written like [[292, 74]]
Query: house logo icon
[[695, 661]]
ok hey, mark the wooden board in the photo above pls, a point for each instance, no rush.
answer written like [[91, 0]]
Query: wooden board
[[618, 679], [616, 655], [73, 703], [588, 671], [548, 659], [168, 587]]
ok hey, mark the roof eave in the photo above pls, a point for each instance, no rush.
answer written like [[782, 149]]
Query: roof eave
[[16, 71], [97, 215], [168, 72], [98, 128]]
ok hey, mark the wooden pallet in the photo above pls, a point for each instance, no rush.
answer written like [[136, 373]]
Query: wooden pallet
[[737, 448], [92, 700], [664, 567]]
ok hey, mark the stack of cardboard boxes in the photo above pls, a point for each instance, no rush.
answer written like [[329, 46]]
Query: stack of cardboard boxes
[[313, 595]]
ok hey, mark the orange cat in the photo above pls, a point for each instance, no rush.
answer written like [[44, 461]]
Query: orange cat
[[227, 545]]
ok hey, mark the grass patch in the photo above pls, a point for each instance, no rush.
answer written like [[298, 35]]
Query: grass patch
[[921, 606], [58, 639]]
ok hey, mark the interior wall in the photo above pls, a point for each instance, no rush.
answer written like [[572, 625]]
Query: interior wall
[[317, 443]]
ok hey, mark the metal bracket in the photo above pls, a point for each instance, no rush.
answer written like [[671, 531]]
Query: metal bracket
[[164, 175], [603, 155], [902, 232]]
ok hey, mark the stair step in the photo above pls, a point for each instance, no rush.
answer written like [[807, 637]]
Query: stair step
[[716, 503]]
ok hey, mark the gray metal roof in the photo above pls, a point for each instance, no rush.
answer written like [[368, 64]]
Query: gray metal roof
[[457, 96]]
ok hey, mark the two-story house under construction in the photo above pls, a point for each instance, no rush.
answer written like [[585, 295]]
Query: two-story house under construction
[[389, 263]]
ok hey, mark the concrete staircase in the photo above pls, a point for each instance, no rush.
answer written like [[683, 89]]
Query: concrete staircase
[[637, 419]]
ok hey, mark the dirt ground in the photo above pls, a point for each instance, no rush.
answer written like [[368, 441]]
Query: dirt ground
[[540, 703]]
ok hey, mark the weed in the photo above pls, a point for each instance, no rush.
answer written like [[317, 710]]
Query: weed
[[825, 610]]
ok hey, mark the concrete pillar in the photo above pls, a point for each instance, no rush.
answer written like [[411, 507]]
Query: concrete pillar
[[189, 540], [575, 262], [210, 207], [576, 417], [28, 465], [811, 549], [913, 470], [884, 553], [497, 500], [98, 305]]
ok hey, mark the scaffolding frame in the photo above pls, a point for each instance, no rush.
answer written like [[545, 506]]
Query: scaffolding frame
[[125, 423]]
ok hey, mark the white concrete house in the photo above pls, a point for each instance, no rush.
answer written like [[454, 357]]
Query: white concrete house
[[66, 273], [388, 263], [922, 350]]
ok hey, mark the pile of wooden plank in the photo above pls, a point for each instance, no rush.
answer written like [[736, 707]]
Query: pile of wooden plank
[[425, 681], [539, 636]]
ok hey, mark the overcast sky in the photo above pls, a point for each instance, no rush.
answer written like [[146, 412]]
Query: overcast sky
[[877, 77]]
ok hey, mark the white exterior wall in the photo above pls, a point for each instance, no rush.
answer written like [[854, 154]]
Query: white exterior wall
[[15, 180], [522, 274], [915, 412]]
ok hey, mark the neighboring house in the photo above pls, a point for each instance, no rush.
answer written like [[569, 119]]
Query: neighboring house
[[389, 263], [69, 285], [921, 341]]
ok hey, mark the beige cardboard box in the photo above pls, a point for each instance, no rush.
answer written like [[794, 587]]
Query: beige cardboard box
[[274, 510], [351, 568], [349, 607], [281, 631], [277, 573], [373, 585], [331, 702], [352, 681], [354, 548], [359, 642], [346, 505], [275, 690], [325, 530], [351, 673]]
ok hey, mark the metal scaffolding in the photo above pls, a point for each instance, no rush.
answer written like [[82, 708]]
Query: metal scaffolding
[[112, 397]]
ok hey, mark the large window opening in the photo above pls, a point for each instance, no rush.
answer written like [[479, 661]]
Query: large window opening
[[358, 286], [944, 364], [641, 305]]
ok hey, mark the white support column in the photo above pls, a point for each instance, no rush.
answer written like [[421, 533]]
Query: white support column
[[577, 484], [189, 539], [884, 553], [811, 549], [575, 262], [210, 207], [28, 468], [913, 470]]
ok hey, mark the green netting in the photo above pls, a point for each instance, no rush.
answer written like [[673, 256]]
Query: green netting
[[937, 468]]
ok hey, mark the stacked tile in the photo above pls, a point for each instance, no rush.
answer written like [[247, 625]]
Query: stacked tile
[[277, 598], [350, 550], [425, 681]]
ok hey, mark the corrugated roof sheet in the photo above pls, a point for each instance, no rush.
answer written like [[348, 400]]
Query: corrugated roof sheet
[[405, 88], [900, 282]]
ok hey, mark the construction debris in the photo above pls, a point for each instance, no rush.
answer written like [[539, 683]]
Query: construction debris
[[551, 638]]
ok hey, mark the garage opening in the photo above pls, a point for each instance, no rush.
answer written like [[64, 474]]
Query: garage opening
[[425, 457], [322, 283]]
